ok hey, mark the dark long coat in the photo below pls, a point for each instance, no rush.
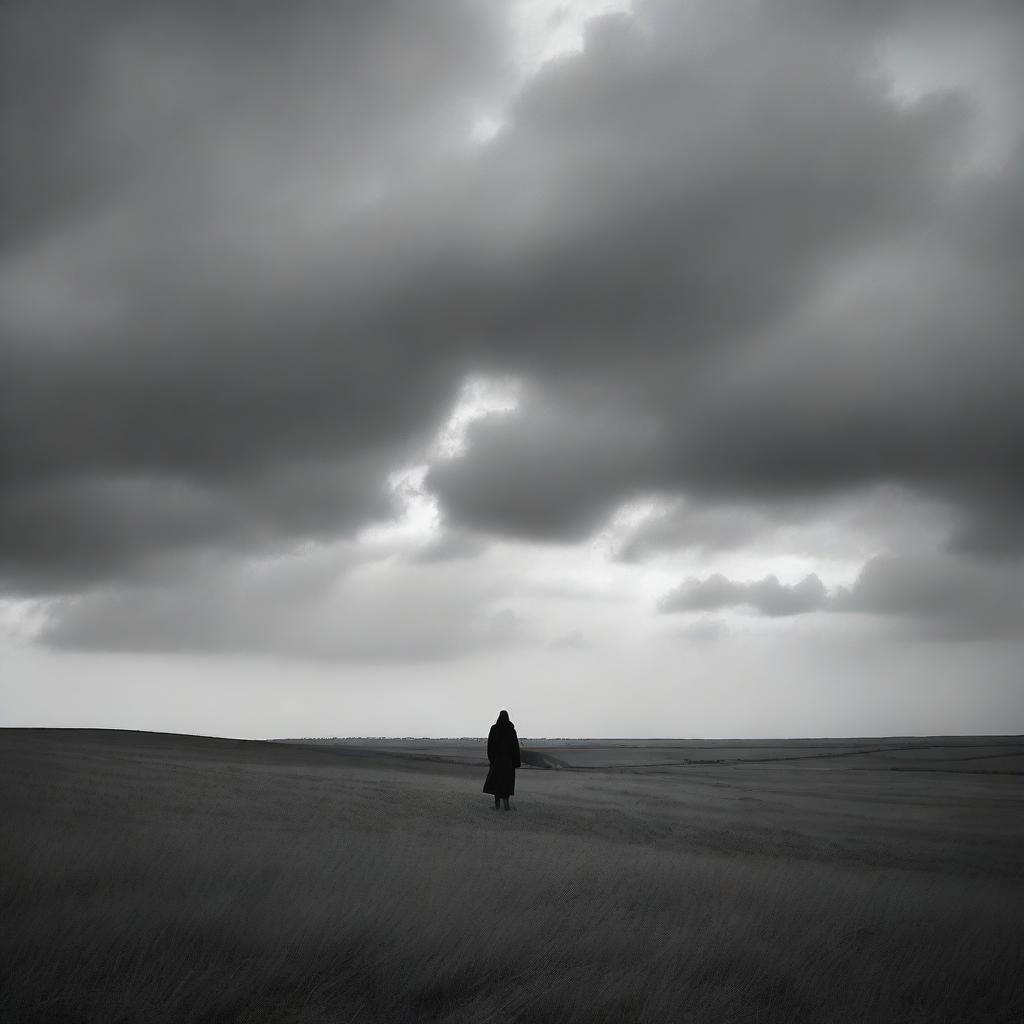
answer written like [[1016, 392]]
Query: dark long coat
[[503, 753]]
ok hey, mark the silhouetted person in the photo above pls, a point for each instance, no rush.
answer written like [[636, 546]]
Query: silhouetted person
[[503, 753]]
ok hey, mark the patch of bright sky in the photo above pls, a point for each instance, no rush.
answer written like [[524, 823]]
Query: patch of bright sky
[[542, 30], [973, 61], [545, 29], [419, 517], [21, 619], [479, 396]]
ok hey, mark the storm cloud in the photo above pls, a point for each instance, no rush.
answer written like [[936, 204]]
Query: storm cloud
[[744, 260], [200, 343]]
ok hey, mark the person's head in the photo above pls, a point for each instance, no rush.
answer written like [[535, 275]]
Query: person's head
[[502, 717]]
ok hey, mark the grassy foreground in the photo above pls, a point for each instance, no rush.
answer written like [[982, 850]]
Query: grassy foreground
[[151, 878]]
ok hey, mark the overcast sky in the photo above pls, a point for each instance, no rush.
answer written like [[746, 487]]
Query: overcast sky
[[366, 368]]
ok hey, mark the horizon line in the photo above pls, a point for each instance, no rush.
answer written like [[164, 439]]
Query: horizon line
[[548, 738]]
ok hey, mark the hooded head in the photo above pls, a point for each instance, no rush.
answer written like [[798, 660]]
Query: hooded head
[[503, 719]]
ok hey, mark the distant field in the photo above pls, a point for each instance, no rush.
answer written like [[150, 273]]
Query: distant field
[[947, 753], [155, 878]]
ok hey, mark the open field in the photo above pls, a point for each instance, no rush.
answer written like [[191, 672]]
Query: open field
[[159, 878], [934, 753]]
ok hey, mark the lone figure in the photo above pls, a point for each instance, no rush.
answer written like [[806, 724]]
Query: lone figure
[[503, 753]]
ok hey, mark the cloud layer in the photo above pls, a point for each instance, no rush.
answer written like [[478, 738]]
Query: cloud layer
[[200, 343], [748, 260]]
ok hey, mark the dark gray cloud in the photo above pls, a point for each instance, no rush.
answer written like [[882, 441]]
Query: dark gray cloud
[[703, 528], [767, 596], [848, 527], [253, 257], [70, 532], [545, 475], [935, 595], [198, 341], [189, 108], [944, 597]]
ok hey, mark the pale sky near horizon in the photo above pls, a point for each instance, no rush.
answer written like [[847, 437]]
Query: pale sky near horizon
[[647, 370]]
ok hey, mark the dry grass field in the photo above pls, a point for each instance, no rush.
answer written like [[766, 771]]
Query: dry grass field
[[155, 878]]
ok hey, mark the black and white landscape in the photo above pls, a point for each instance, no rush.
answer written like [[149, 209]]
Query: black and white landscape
[[646, 369], [160, 878]]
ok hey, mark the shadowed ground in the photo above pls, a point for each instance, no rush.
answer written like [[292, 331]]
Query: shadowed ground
[[168, 878]]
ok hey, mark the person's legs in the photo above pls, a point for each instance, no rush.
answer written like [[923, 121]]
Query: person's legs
[[506, 803], [497, 802]]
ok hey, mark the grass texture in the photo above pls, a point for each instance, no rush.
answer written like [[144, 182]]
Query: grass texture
[[156, 879]]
